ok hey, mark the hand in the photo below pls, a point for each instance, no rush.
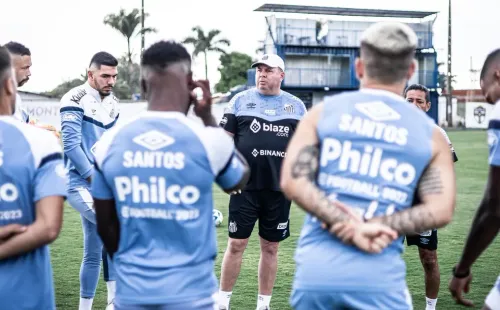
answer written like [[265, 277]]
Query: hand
[[202, 107], [368, 237], [458, 286], [9, 230]]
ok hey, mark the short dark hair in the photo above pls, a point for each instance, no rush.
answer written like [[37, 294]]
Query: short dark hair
[[163, 53], [421, 88], [17, 49], [490, 60], [103, 59], [5, 62]]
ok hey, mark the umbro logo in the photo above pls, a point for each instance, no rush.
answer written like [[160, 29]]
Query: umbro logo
[[378, 111], [154, 140]]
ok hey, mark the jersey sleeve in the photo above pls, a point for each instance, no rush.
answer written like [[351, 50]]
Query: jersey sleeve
[[493, 142], [71, 130], [229, 121], [227, 167], [452, 149], [100, 188], [50, 175]]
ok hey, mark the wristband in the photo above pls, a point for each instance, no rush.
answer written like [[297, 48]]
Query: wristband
[[460, 275]]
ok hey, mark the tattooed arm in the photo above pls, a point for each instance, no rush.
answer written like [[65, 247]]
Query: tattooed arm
[[299, 170], [436, 191]]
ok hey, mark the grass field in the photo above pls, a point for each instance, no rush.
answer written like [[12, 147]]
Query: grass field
[[471, 175]]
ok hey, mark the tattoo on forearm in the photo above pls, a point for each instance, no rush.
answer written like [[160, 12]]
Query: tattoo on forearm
[[306, 164], [430, 182], [416, 220], [411, 221], [311, 198]]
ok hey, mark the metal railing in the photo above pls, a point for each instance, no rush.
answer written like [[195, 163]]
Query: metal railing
[[335, 37], [306, 77], [337, 78]]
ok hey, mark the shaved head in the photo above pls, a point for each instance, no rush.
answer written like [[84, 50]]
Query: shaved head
[[387, 51], [490, 77], [166, 68], [8, 83]]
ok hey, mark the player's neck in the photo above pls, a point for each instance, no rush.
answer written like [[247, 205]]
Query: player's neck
[[397, 89], [5, 109], [166, 101]]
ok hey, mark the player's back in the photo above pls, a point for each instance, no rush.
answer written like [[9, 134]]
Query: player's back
[[24, 151], [161, 168], [374, 147]]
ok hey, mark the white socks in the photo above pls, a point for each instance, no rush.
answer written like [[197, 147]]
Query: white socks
[[263, 300], [111, 285], [225, 298], [85, 303], [430, 303]]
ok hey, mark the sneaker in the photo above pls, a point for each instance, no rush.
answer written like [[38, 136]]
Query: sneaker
[[111, 305], [264, 308], [224, 308]]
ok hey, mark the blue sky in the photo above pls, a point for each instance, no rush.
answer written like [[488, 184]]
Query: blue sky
[[63, 35]]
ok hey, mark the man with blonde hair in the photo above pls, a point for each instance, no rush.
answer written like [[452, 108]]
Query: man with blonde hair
[[373, 151]]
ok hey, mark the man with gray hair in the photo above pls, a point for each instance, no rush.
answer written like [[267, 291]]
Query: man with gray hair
[[371, 150], [87, 111]]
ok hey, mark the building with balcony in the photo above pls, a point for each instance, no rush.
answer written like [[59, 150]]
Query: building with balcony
[[319, 53]]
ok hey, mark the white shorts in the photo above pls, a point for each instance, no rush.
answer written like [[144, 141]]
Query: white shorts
[[493, 298]]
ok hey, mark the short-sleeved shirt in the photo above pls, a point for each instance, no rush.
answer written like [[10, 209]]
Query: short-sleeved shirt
[[262, 127]]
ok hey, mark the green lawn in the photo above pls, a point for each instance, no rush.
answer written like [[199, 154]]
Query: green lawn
[[471, 173]]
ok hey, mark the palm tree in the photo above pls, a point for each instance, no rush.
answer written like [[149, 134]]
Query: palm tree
[[126, 24], [206, 43]]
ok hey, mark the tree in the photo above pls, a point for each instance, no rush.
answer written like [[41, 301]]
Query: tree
[[126, 24], [443, 79], [64, 87], [233, 70], [127, 84], [206, 43]]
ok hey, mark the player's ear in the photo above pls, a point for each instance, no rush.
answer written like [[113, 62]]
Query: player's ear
[[359, 67], [411, 69], [10, 86]]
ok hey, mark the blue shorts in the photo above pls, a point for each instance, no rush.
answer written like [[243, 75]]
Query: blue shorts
[[328, 300]]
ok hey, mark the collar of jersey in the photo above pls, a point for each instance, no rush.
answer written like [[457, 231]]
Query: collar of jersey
[[92, 91], [380, 92]]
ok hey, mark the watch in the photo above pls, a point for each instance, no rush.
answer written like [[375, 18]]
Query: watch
[[460, 275]]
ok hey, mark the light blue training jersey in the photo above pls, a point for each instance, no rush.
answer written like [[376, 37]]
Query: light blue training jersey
[[31, 168], [84, 118], [159, 168], [374, 147]]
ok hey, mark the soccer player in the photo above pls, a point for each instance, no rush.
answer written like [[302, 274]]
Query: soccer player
[[367, 149], [32, 192], [21, 57], [153, 190], [87, 111], [427, 241], [487, 220], [262, 120]]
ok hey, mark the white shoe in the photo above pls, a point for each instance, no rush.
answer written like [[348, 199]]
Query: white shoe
[[264, 308], [111, 305], [224, 308]]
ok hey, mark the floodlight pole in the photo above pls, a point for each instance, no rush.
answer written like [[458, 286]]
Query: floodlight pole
[[449, 94]]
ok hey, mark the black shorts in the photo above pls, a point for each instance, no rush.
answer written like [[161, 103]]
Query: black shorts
[[424, 240], [271, 208]]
